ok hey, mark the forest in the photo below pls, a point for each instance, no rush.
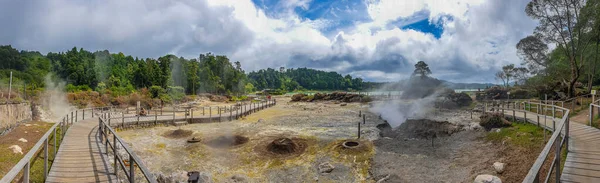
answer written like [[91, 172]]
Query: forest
[[122, 74]]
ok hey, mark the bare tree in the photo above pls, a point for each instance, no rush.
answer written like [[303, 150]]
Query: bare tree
[[502, 76], [534, 53], [560, 23]]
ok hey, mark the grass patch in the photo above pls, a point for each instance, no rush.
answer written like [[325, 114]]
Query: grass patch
[[8, 159], [520, 134]]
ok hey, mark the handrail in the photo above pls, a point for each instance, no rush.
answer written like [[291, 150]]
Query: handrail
[[25, 162], [105, 130], [534, 171]]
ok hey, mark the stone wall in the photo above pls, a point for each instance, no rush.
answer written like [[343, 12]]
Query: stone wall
[[10, 114]]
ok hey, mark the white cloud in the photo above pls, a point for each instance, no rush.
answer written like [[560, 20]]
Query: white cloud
[[478, 39]]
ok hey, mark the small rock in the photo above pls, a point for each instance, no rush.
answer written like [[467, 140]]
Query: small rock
[[27, 125], [325, 167], [499, 167], [485, 178], [383, 179], [344, 104], [261, 120], [16, 149], [23, 140], [238, 178], [497, 130]]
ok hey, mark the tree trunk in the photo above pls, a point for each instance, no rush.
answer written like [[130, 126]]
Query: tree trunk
[[574, 77]]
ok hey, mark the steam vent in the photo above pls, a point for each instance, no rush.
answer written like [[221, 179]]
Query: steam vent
[[228, 141]]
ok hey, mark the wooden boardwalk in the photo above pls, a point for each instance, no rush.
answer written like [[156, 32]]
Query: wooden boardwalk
[[80, 158], [583, 160]]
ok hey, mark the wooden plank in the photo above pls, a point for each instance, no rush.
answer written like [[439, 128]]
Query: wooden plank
[[80, 157]]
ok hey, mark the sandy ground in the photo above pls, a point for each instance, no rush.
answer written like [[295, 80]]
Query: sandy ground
[[323, 126]]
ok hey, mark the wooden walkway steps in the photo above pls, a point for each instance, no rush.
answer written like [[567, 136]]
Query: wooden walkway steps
[[80, 158], [583, 160]]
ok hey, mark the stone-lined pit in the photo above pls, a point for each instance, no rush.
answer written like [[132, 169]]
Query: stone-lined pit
[[350, 144]]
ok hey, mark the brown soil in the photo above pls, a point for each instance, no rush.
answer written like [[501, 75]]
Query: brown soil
[[227, 141], [179, 133], [282, 147], [31, 133], [518, 160]]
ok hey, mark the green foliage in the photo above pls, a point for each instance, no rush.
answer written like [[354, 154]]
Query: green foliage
[[118, 74], [249, 88], [176, 92], [303, 79], [73, 88], [521, 134], [421, 69], [240, 98], [156, 91]]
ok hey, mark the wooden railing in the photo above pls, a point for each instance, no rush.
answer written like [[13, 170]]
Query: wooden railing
[[106, 132], [560, 129], [594, 104], [55, 133]]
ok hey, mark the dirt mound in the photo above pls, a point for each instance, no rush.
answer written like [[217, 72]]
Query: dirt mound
[[425, 128], [283, 147], [493, 120], [335, 96], [179, 133], [227, 141]]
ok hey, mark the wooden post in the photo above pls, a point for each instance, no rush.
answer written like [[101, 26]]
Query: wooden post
[[359, 113], [358, 130], [230, 113], [45, 158], [209, 114], [364, 119], [219, 108]]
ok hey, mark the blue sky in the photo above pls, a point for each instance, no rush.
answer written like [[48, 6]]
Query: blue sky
[[378, 40]]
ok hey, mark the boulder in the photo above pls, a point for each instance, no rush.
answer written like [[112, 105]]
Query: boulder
[[22, 140], [326, 167], [499, 167], [485, 178]]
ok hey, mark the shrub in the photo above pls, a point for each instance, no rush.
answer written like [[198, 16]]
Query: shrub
[[297, 97], [493, 120], [156, 91]]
